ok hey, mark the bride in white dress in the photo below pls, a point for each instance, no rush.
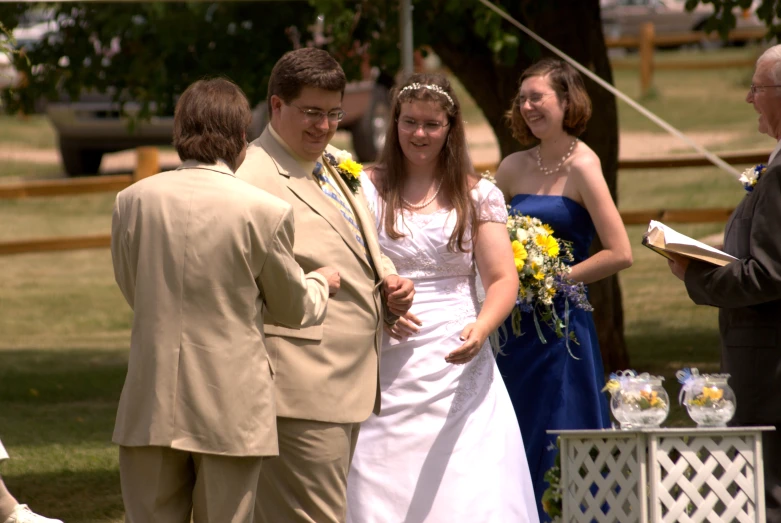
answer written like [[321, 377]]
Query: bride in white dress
[[446, 447]]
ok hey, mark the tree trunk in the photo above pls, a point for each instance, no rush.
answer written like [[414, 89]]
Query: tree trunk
[[575, 27]]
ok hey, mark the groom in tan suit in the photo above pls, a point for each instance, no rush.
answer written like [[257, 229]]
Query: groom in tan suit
[[197, 254], [326, 376]]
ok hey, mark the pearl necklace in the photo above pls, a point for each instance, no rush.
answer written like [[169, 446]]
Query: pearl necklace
[[425, 203], [547, 171]]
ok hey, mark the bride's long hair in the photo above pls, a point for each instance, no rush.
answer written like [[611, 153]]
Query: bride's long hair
[[453, 168]]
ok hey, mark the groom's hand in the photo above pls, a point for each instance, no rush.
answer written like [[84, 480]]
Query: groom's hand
[[398, 293], [333, 278]]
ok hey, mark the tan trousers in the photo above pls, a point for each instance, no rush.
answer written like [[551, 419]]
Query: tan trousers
[[308, 481], [164, 485]]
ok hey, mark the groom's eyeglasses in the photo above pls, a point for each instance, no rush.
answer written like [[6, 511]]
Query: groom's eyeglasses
[[755, 88], [316, 115]]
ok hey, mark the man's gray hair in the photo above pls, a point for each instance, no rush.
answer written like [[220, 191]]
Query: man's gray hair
[[772, 59]]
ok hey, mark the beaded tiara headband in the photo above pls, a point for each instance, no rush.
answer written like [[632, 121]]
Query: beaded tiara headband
[[430, 87]]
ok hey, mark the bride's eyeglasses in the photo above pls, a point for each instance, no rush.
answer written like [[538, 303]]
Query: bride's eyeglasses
[[408, 125]]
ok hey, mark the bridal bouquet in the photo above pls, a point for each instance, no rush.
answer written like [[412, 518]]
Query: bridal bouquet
[[541, 260]]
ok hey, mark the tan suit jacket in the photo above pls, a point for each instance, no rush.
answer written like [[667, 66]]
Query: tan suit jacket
[[197, 254], [330, 372]]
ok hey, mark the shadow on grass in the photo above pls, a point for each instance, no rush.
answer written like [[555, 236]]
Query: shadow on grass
[[56, 420], [51, 376], [75, 497], [59, 397], [657, 349]]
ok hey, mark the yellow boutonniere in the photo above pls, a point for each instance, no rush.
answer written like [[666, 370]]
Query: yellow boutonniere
[[351, 167], [348, 169]]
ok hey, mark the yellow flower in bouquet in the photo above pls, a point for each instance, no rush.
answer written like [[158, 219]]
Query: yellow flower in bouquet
[[519, 254], [548, 244], [542, 261]]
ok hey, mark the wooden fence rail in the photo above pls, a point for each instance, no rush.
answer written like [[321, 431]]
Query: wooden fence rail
[[148, 164], [62, 243], [115, 183], [65, 186], [647, 41], [669, 162], [102, 241], [691, 37]]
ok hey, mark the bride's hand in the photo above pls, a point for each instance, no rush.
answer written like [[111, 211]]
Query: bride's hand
[[474, 337], [405, 326]]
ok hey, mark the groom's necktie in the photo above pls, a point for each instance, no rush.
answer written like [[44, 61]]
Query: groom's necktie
[[336, 196]]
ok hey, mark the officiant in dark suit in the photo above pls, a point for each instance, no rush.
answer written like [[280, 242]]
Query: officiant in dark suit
[[748, 290]]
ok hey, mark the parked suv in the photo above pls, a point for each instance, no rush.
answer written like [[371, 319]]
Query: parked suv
[[624, 17], [91, 126]]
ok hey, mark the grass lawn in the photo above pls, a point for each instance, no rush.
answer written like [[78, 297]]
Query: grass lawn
[[15, 169], [66, 326], [706, 100], [33, 131]]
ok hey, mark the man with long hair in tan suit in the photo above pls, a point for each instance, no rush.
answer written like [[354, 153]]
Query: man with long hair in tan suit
[[198, 254], [326, 376]]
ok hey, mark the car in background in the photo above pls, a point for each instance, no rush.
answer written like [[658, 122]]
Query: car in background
[[623, 18], [92, 125], [95, 124]]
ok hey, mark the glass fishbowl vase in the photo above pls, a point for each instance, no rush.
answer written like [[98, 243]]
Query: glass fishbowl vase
[[640, 402], [709, 400]]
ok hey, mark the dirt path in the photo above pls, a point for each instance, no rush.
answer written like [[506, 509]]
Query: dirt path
[[484, 151], [482, 146], [123, 161]]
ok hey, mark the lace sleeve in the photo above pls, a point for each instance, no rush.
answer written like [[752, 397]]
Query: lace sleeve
[[490, 203]]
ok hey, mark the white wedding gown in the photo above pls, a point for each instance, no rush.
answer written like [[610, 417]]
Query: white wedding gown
[[446, 447]]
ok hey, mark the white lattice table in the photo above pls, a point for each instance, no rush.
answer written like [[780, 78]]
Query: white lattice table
[[663, 475]]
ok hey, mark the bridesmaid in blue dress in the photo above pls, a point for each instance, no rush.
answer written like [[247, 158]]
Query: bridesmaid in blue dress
[[559, 180]]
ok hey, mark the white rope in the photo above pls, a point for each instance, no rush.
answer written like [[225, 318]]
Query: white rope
[[715, 160]]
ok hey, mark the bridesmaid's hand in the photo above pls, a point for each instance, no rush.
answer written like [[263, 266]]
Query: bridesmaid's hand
[[474, 336], [405, 326]]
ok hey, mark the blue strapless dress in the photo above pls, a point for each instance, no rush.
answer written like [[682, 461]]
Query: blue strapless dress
[[548, 387]]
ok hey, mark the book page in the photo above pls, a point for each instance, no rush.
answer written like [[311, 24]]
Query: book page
[[662, 238], [673, 238]]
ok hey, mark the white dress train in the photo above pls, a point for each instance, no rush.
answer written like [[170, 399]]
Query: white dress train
[[446, 447]]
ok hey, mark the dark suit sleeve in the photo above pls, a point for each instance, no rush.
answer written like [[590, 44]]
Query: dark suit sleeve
[[756, 278]]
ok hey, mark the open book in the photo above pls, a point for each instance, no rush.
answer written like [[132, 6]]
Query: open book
[[663, 239]]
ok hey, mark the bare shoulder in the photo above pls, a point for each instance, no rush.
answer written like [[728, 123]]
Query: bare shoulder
[[585, 158], [512, 164], [585, 166]]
